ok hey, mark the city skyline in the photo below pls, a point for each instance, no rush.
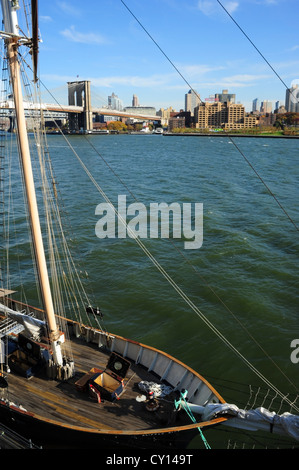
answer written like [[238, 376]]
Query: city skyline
[[107, 46], [192, 99]]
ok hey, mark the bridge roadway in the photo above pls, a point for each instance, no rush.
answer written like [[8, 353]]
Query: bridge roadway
[[55, 108]]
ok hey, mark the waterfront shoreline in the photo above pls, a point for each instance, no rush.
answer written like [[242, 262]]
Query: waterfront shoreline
[[182, 134], [224, 134]]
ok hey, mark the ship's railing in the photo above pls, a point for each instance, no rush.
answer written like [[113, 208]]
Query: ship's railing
[[8, 326], [165, 367]]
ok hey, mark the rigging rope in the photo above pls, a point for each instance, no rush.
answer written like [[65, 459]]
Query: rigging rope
[[230, 138], [191, 416], [255, 47], [162, 270], [169, 240], [172, 282], [194, 268], [72, 283]]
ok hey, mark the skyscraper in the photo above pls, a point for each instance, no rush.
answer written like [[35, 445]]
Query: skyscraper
[[292, 99], [255, 104], [225, 97], [192, 99], [135, 101], [266, 106], [114, 102]]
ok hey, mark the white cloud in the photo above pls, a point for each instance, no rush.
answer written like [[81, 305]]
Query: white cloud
[[209, 7], [232, 81], [168, 80], [206, 7], [45, 19], [132, 80], [68, 9], [85, 38], [58, 78], [285, 66], [245, 78], [231, 6], [198, 70], [108, 82]]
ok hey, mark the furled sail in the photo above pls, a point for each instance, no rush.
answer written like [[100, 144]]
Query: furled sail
[[32, 325], [251, 420]]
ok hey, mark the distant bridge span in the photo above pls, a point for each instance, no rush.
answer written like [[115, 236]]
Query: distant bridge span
[[102, 111], [55, 108], [78, 111]]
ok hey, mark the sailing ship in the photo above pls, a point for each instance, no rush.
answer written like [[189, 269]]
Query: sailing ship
[[65, 384]]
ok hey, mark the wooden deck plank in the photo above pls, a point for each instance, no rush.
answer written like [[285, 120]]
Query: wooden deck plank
[[63, 402], [79, 419]]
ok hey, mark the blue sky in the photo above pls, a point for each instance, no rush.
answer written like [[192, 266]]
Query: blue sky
[[99, 40]]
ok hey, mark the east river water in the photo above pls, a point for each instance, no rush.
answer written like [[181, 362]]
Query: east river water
[[243, 278]]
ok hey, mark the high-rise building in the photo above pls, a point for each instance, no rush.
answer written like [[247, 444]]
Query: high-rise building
[[114, 102], [292, 99], [235, 116], [192, 99], [135, 101], [207, 115], [255, 105], [266, 106], [225, 97], [226, 115]]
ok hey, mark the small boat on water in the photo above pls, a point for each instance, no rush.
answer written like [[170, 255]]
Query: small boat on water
[[158, 130], [65, 384]]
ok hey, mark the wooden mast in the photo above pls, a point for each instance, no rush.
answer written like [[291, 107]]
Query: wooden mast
[[9, 8]]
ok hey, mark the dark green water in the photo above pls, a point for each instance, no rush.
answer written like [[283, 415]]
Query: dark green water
[[249, 256]]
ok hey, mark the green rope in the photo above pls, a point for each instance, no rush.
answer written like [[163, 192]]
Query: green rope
[[186, 407]]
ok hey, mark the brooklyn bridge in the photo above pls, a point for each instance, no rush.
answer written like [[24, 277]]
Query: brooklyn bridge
[[79, 111]]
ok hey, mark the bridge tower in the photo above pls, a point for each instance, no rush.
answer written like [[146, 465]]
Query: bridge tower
[[79, 95]]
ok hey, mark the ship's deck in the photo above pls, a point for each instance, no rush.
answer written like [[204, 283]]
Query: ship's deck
[[61, 401]]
